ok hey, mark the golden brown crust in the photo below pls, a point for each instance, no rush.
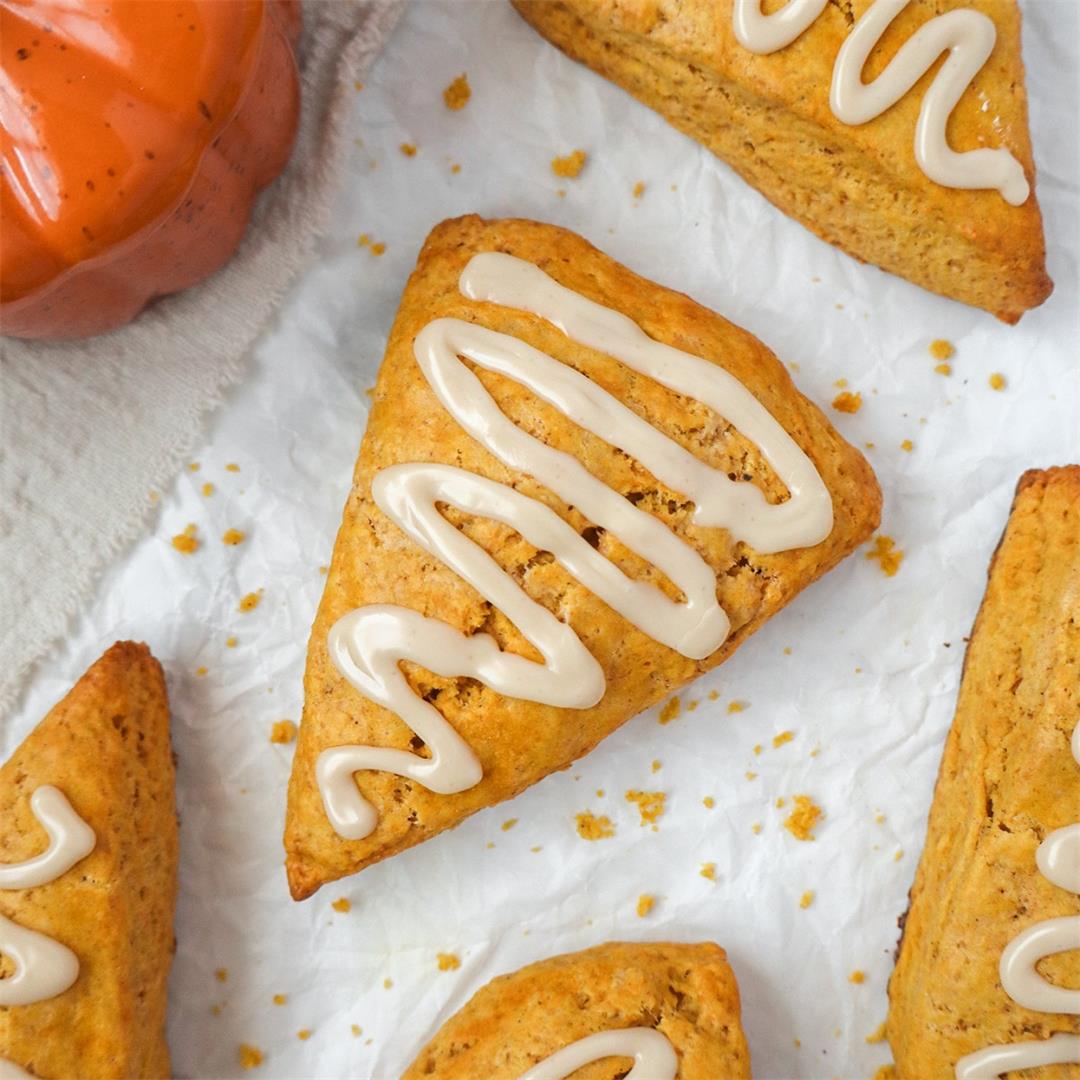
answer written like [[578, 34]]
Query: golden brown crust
[[859, 188], [106, 746], [520, 742], [687, 992], [1007, 779]]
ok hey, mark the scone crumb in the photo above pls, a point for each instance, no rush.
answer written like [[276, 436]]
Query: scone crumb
[[388, 984], [570, 166], [232, 467], [713, 695], [857, 977], [250, 1057], [448, 961], [222, 975], [656, 765], [887, 554], [758, 748], [943, 369], [737, 707], [187, 543], [363, 239], [899, 855], [879, 818], [639, 189], [645, 904], [408, 149], [455, 168], [806, 899], [847, 402], [250, 601], [378, 249], [692, 705], [940, 349], [208, 489], [907, 446], [997, 381], [708, 802], [279, 999], [304, 1034], [593, 827], [708, 871], [357, 1030], [650, 805], [282, 732], [201, 672], [783, 737], [670, 711], [343, 905], [750, 775], [230, 642], [877, 1035], [508, 824], [781, 803], [232, 537], [194, 466], [802, 821], [841, 384], [457, 94], [599, 792], [756, 828]]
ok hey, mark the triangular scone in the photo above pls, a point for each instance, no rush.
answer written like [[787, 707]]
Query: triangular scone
[[518, 742], [687, 993], [106, 748], [1009, 784], [859, 187]]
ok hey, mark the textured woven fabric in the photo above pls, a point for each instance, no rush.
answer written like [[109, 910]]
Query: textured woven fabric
[[88, 429]]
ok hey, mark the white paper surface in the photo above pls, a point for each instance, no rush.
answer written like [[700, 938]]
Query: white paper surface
[[874, 662]]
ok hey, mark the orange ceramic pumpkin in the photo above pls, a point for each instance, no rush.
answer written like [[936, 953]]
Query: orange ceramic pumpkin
[[135, 136]]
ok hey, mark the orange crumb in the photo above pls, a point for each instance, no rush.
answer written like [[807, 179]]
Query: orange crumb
[[457, 94], [363, 240], [408, 149], [358, 86], [230, 642], [283, 731], [708, 802], [593, 827], [194, 466], [215, 1010], [783, 737], [279, 999], [997, 381], [943, 369], [756, 828], [670, 711], [738, 706], [650, 805], [200, 672], [343, 905], [942, 349], [448, 961], [787, 650], [222, 974], [751, 775], [804, 818], [250, 602], [806, 899], [781, 803], [455, 169], [639, 189], [250, 1057], [708, 871], [378, 249], [656, 765], [599, 792], [877, 1035], [303, 1034], [847, 402], [208, 489], [232, 467], [570, 166], [645, 904], [907, 445], [692, 705], [758, 748], [509, 823], [232, 537], [857, 977], [186, 542], [889, 556], [714, 694], [899, 855]]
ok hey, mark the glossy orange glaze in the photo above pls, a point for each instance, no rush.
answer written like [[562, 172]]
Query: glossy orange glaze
[[135, 134]]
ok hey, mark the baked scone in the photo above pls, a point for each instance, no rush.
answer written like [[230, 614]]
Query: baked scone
[[96, 916], [858, 184], [482, 473], [1002, 855], [686, 993]]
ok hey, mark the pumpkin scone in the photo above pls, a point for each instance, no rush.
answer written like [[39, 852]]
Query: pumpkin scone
[[88, 856], [672, 1009], [989, 962], [924, 169], [578, 490]]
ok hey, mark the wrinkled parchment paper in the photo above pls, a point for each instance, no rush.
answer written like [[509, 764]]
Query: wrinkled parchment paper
[[862, 668]]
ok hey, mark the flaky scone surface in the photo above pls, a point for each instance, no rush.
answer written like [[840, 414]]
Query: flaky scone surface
[[106, 747], [687, 992], [1008, 778], [858, 187], [519, 742]]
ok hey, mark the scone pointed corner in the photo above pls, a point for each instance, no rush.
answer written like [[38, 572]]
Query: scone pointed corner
[[379, 566]]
